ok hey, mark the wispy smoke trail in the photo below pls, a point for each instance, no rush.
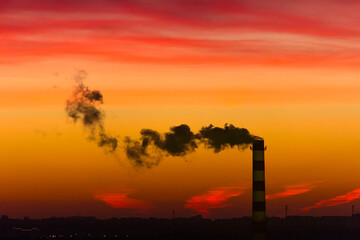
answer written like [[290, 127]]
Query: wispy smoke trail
[[83, 106], [143, 152]]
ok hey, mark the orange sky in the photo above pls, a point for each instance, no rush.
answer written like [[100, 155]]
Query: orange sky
[[286, 71]]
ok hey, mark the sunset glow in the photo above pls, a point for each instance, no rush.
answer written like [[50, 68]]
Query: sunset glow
[[286, 71]]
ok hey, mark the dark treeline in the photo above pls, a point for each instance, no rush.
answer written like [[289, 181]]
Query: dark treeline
[[179, 228]]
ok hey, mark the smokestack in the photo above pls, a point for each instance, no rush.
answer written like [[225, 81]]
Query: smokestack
[[259, 204]]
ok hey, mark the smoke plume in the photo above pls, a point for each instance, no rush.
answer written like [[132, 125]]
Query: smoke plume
[[148, 150], [83, 106], [180, 141]]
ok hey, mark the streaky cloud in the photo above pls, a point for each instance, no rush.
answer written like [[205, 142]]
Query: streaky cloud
[[292, 190], [122, 200], [338, 200], [213, 198]]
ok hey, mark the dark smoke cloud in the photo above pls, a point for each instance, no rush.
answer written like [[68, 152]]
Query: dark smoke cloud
[[181, 141], [148, 150], [83, 106], [221, 138]]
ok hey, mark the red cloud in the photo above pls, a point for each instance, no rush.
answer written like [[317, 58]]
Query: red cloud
[[214, 198], [121, 200], [348, 197], [183, 31], [292, 190], [209, 14], [232, 14]]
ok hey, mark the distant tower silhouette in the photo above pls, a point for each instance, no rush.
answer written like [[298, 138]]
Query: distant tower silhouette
[[173, 214], [286, 213], [353, 214], [259, 203]]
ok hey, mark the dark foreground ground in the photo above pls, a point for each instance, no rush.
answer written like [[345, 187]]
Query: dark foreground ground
[[180, 228]]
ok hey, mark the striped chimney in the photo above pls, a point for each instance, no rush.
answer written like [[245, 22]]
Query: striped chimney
[[259, 204]]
